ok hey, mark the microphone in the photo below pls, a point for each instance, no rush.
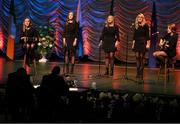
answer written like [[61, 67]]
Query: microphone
[[157, 32], [100, 43]]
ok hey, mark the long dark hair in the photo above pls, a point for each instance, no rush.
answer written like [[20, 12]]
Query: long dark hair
[[67, 19], [30, 24]]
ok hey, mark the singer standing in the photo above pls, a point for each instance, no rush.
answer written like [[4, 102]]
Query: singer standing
[[139, 46], [70, 36], [109, 38], [29, 39]]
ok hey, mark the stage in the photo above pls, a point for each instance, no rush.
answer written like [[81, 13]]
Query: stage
[[86, 73]]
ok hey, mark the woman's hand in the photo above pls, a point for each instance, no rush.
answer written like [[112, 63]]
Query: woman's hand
[[74, 43], [32, 45], [133, 44], [116, 44], [64, 42], [148, 44], [24, 39], [161, 43]]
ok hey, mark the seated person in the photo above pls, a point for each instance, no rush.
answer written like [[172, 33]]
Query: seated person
[[167, 45], [19, 95], [51, 94]]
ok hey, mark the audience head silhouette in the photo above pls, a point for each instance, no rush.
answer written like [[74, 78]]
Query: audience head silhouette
[[21, 71], [56, 70]]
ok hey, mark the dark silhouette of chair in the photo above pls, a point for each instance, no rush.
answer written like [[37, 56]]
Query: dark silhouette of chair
[[169, 64]]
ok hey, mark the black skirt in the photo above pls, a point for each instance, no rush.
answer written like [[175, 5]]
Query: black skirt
[[109, 45], [70, 48], [140, 45]]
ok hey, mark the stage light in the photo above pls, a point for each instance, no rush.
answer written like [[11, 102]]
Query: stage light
[[73, 89], [36, 86]]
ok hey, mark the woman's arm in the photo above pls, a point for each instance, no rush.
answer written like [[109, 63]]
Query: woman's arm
[[117, 33], [134, 37], [172, 44], [64, 35], [76, 33], [147, 32], [117, 36]]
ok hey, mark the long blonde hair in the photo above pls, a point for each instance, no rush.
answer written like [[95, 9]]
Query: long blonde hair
[[143, 20], [106, 22]]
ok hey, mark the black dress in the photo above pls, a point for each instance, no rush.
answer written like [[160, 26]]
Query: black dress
[[32, 38], [109, 37], [171, 40], [70, 33], [141, 35], [31, 33]]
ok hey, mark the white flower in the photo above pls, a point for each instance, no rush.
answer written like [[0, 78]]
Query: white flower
[[43, 39], [50, 45]]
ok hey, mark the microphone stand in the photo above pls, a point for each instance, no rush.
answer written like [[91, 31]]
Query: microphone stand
[[125, 76], [99, 63], [99, 75], [99, 69]]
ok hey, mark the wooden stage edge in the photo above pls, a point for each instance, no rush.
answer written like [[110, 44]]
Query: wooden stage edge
[[85, 74]]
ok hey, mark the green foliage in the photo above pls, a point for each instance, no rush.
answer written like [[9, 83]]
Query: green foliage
[[46, 40]]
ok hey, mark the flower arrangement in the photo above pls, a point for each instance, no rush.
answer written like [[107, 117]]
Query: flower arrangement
[[46, 40]]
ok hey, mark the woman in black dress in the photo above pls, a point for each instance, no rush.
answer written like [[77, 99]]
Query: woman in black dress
[[70, 36], [167, 44], [109, 38], [140, 40], [29, 38]]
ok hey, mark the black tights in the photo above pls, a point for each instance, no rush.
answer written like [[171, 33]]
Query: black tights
[[140, 63], [29, 53], [109, 60], [69, 58], [29, 56]]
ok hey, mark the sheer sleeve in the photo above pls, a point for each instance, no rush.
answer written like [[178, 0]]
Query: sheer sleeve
[[21, 35], [102, 35], [34, 36], [64, 31], [117, 33], [147, 32], [134, 34], [173, 42], [76, 30]]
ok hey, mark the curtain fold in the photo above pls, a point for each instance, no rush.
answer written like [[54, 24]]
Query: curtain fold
[[93, 16]]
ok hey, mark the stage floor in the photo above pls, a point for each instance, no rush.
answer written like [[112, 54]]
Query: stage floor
[[85, 74]]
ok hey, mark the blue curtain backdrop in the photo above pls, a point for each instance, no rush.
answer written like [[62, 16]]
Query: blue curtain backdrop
[[93, 15]]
